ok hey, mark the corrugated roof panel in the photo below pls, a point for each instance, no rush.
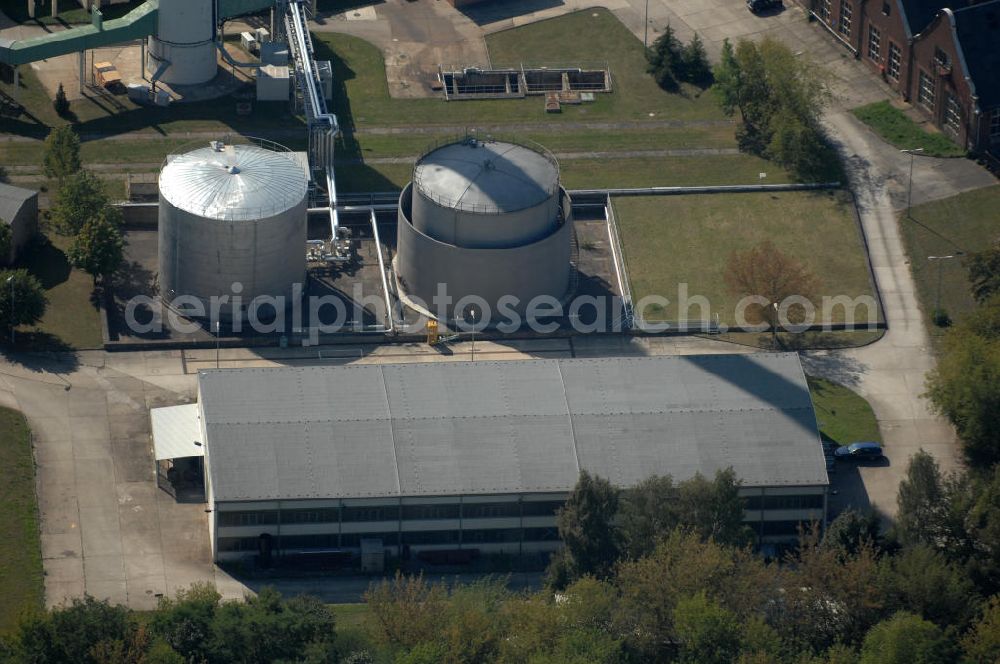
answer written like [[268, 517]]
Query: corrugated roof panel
[[499, 427]]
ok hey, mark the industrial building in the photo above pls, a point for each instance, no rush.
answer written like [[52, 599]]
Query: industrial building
[[19, 210], [232, 214], [484, 219], [478, 456]]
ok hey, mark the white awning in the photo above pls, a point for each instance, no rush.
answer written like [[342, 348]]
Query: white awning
[[176, 432]]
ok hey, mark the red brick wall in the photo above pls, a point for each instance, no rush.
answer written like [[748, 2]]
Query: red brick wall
[[948, 82], [892, 34]]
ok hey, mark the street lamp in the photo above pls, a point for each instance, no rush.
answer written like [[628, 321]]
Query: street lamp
[[10, 280], [909, 186], [940, 261], [472, 311], [645, 28], [216, 344]]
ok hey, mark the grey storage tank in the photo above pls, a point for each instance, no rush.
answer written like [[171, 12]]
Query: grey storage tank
[[484, 218], [232, 214]]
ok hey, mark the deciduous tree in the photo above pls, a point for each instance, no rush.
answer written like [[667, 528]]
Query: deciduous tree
[[907, 639], [22, 299], [61, 155], [79, 198], [99, 247]]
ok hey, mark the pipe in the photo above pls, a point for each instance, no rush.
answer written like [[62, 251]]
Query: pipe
[[230, 60], [381, 268]]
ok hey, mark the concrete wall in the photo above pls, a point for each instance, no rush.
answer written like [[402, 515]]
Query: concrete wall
[[539, 268]]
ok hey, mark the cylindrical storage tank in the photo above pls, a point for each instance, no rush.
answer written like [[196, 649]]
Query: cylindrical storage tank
[[488, 221], [232, 221], [474, 193], [185, 37]]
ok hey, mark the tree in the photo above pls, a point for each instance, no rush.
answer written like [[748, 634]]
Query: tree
[[665, 58], [965, 384], [61, 155], [852, 530], [99, 247], [61, 103], [779, 98], [406, 611], [697, 69], [74, 633], [714, 509], [79, 198], [591, 544], [982, 643], [772, 277], [6, 241], [931, 507], [984, 272], [707, 632], [922, 581], [28, 304], [907, 639]]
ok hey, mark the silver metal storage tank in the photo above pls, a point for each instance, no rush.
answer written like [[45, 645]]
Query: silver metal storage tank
[[184, 42], [488, 219], [232, 214]]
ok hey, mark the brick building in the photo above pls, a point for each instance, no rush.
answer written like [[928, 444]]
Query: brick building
[[940, 55]]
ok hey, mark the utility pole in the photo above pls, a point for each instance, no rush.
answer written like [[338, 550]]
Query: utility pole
[[10, 280], [940, 261], [645, 28], [909, 186]]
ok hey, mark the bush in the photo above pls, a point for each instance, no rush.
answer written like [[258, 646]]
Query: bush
[[941, 318], [60, 103]]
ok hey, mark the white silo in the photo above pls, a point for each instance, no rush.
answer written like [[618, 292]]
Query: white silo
[[486, 219], [184, 42], [232, 214]]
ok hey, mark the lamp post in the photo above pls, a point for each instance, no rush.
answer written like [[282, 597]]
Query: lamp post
[[216, 344], [909, 186], [473, 312], [940, 261], [10, 280], [645, 28]]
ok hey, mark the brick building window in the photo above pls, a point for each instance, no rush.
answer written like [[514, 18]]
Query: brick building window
[[885, 9], [824, 10], [895, 58], [874, 43], [952, 114], [995, 124], [925, 91], [845, 18], [941, 57]]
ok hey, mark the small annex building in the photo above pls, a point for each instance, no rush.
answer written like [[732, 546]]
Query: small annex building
[[460, 456]]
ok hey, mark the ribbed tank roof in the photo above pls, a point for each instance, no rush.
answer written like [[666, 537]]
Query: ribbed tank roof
[[486, 176], [236, 182]]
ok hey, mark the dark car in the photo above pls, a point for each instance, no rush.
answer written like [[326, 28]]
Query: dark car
[[864, 450], [758, 6]]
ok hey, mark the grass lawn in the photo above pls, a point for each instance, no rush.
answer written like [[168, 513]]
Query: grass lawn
[[71, 320], [964, 223], [588, 36], [895, 127], [20, 552], [92, 117], [596, 173], [671, 240], [844, 417]]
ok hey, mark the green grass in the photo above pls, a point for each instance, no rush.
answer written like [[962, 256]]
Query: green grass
[[670, 240], [843, 416], [71, 319], [895, 127], [597, 173], [963, 223], [20, 551], [579, 37]]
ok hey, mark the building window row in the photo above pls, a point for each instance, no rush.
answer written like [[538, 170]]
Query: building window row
[[874, 43], [390, 513], [925, 91], [803, 502], [846, 13], [824, 10], [953, 114], [420, 537], [895, 60]]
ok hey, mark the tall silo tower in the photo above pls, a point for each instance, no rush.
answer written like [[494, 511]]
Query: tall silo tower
[[232, 214], [184, 42], [485, 218]]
